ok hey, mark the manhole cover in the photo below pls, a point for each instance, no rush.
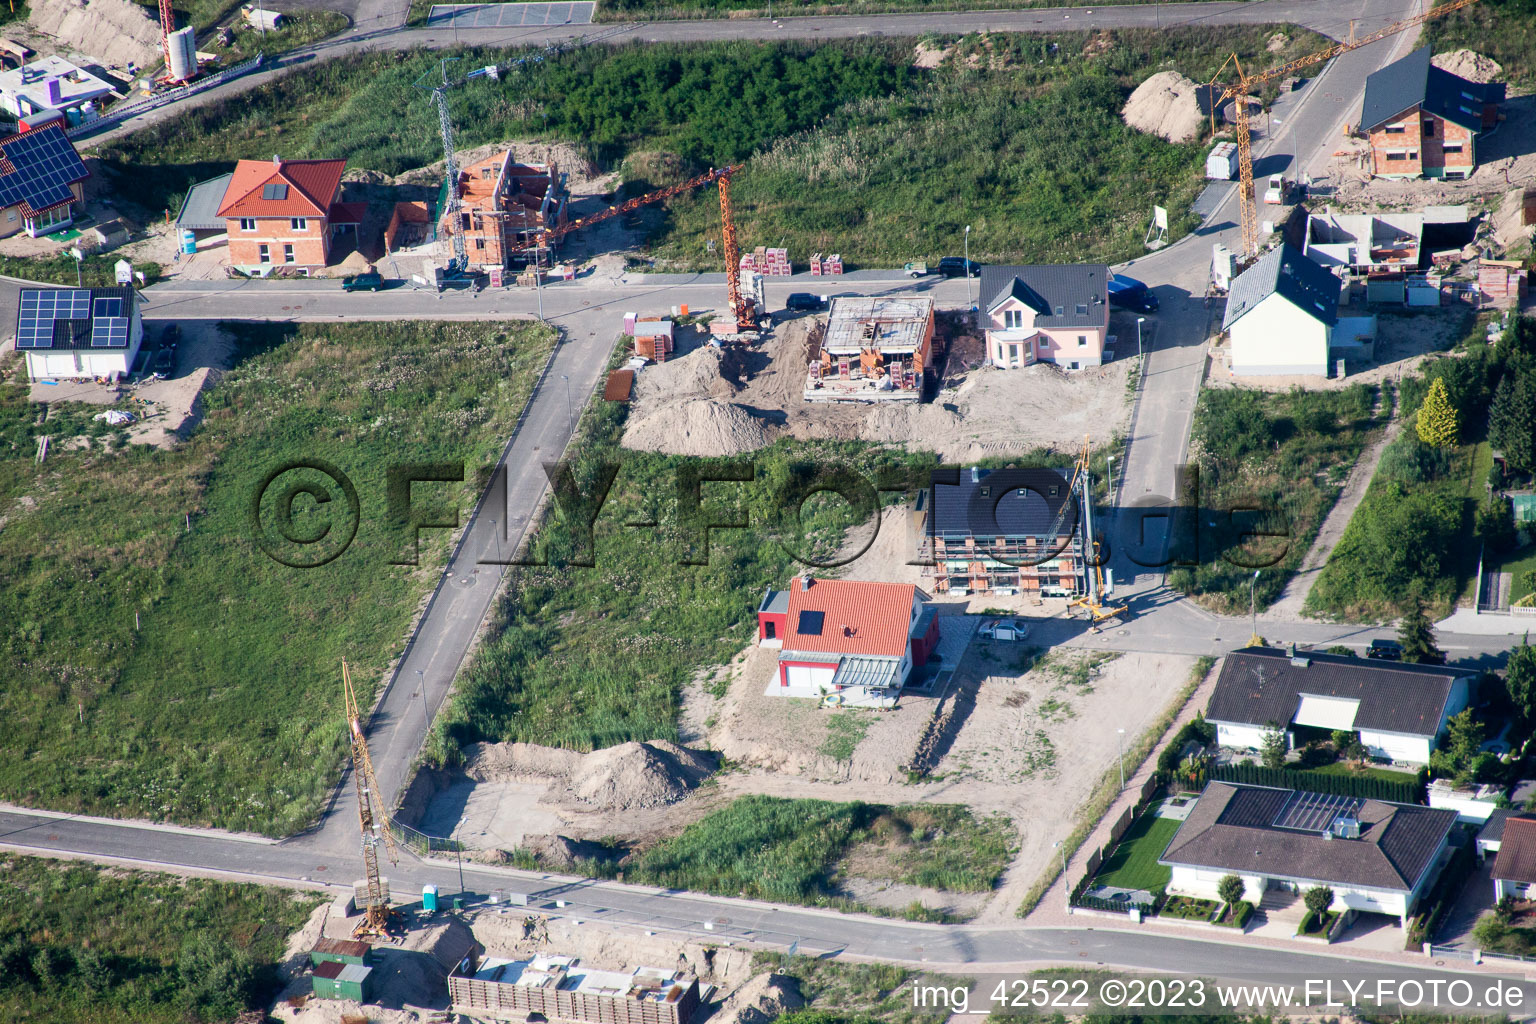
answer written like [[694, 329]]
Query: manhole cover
[[1084, 953], [52, 837], [722, 920], [1121, 632], [321, 867], [1074, 942], [464, 581]]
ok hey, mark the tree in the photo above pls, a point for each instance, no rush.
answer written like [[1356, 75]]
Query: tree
[[92, 971], [1341, 739], [1342, 651], [1318, 899], [1490, 931], [1512, 420], [1437, 418], [1230, 889], [1272, 747], [1418, 638], [1461, 758], [216, 978], [1520, 682]]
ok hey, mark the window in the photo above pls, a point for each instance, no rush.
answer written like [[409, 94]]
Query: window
[[1429, 129], [1396, 129], [1072, 365], [1013, 318], [1082, 339], [10, 215], [1451, 147], [464, 220], [487, 172], [263, 254], [247, 223], [299, 224], [288, 254], [479, 243]]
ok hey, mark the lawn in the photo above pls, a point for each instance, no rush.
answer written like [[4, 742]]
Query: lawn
[[162, 665], [299, 28], [93, 271], [1517, 564], [838, 991], [1134, 864], [1348, 768], [1287, 453], [81, 944]]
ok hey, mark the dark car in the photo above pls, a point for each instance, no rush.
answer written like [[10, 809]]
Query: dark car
[[164, 362], [959, 266], [801, 301], [1386, 650], [1129, 293], [372, 281]]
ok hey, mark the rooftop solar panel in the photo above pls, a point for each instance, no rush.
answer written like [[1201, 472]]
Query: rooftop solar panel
[[810, 623], [108, 307], [72, 318], [109, 332], [45, 165], [1315, 812], [274, 191]]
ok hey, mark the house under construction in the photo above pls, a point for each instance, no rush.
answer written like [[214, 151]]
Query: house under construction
[[876, 348], [560, 989], [504, 205]]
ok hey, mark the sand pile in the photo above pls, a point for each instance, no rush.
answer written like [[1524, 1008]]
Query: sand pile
[[763, 999], [698, 427], [1164, 105], [485, 762], [922, 424], [112, 31], [638, 775], [704, 372], [560, 853], [1468, 64], [1277, 42]]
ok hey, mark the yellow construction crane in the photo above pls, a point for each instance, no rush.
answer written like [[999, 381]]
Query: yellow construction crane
[[1092, 598], [377, 915], [1246, 83]]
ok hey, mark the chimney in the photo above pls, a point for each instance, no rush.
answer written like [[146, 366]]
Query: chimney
[[975, 474], [1299, 660], [277, 161], [54, 91], [806, 580]]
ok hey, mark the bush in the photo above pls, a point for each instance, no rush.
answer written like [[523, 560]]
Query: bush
[[1490, 931], [1230, 888], [1318, 899]]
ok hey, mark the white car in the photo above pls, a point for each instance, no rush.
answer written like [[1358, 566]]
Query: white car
[[1005, 630], [1275, 194]]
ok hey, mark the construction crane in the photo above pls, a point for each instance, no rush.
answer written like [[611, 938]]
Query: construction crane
[[451, 198], [377, 916], [1245, 84], [741, 307], [1092, 598], [167, 28]]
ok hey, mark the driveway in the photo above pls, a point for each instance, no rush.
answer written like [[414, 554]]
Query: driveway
[[1476, 897]]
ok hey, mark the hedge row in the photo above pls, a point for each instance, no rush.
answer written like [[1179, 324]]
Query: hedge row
[[1369, 787]]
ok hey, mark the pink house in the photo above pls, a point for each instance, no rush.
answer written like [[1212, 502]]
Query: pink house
[[1045, 314]]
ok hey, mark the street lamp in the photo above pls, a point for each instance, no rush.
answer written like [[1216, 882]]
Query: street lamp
[[1066, 886], [458, 849], [969, 304], [570, 423], [496, 532], [1120, 747], [1253, 612], [1139, 321], [421, 687]]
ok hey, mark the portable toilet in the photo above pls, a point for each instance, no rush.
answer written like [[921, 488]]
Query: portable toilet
[[429, 898], [188, 242]]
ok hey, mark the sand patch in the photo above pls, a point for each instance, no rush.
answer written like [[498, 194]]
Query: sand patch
[[1164, 105]]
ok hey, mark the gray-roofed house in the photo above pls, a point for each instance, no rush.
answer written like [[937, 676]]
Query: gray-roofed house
[[1002, 531], [1045, 314], [1378, 857], [1281, 314], [1423, 121], [199, 219], [1398, 710]]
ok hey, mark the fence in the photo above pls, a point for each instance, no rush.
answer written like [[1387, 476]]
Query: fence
[[1409, 791], [421, 843], [1116, 831], [124, 111]]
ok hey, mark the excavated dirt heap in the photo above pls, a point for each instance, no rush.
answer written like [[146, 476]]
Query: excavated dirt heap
[[1468, 64], [485, 762], [1164, 105], [761, 1000], [702, 426], [112, 31], [638, 775]]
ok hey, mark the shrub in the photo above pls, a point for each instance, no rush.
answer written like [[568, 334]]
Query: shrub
[[1230, 888], [1490, 931]]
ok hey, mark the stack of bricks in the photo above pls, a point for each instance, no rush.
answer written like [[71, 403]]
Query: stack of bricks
[[823, 265], [764, 260]]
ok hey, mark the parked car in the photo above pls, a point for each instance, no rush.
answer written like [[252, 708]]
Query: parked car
[[1129, 293], [1385, 650], [164, 362], [959, 266], [371, 281], [1005, 630], [914, 269], [1275, 193], [801, 301]]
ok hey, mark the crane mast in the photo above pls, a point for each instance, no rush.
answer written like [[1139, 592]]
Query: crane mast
[[1092, 598], [377, 915]]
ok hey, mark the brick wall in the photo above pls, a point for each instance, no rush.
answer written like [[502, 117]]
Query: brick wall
[[1426, 137], [310, 241], [1408, 138]]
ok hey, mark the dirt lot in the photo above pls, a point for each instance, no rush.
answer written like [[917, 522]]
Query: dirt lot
[[705, 402]]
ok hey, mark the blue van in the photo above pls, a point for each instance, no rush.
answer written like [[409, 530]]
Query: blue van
[[1129, 293]]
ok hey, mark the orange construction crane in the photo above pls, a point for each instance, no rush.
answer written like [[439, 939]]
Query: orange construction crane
[[377, 915], [1245, 84], [167, 27], [742, 308]]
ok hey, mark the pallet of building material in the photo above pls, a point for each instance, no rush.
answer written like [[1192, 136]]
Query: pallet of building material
[[815, 264], [833, 264]]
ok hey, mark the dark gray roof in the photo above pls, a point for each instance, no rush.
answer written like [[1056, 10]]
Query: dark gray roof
[[199, 211], [1232, 828], [775, 602], [1493, 829], [1288, 271], [1067, 295], [1414, 81], [998, 503], [1516, 861], [66, 333], [1259, 685]]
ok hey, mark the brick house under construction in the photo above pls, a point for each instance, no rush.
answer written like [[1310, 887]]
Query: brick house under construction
[[1423, 121], [504, 205], [875, 348], [1000, 531]]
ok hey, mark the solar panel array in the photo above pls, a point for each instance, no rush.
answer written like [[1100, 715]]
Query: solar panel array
[[274, 191], [40, 308], [109, 332], [45, 165], [1316, 812]]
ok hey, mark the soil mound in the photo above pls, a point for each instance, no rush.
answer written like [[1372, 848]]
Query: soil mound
[[639, 775], [763, 999], [1164, 105], [1468, 64], [486, 762], [561, 853], [112, 31], [701, 426]]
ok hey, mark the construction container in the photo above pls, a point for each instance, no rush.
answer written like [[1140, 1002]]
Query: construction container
[[1221, 164], [343, 981], [429, 898], [340, 951], [263, 19]]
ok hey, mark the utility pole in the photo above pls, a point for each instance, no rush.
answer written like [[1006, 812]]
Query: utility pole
[[570, 420], [1065, 884], [458, 849], [421, 685], [969, 304], [1253, 613]]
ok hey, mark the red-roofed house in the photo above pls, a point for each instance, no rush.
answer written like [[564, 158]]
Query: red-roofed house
[[847, 641], [285, 213], [1514, 869]]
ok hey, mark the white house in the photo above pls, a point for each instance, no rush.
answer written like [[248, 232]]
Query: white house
[[1280, 315], [79, 332], [1514, 868], [1399, 711], [1377, 857]]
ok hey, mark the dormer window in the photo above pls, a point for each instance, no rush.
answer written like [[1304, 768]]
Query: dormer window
[[1013, 319]]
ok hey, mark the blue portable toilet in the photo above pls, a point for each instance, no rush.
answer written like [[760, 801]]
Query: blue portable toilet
[[429, 898], [188, 242]]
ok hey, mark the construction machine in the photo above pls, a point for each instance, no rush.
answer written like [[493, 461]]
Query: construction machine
[[378, 918], [1092, 597], [1240, 90]]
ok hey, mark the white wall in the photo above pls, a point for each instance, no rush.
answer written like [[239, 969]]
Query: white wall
[[1239, 737], [1202, 882], [1276, 337], [80, 363], [1397, 746]]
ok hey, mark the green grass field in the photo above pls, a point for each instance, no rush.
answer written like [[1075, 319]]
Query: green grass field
[[81, 944], [1518, 564], [1134, 864], [1348, 768], [160, 664]]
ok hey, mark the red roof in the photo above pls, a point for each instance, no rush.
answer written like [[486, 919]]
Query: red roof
[[857, 618], [1516, 861], [348, 213], [312, 185]]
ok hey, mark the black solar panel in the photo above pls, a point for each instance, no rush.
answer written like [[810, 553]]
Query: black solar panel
[[46, 164], [68, 316], [1315, 812], [109, 332], [274, 191], [810, 623], [111, 306]]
